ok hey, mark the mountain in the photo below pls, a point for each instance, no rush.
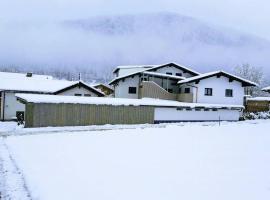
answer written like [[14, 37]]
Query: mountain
[[165, 37], [94, 46]]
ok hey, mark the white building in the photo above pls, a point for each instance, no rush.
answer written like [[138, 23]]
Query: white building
[[178, 83], [11, 83]]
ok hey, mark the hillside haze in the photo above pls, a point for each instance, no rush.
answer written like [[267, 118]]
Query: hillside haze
[[101, 43]]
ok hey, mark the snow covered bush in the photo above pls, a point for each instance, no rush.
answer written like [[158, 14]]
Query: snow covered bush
[[257, 115]]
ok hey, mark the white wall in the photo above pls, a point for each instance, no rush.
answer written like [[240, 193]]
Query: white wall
[[121, 90], [78, 90], [219, 86], [12, 106], [172, 114], [125, 71], [172, 70]]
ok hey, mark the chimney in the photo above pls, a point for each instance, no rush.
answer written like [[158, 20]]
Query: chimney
[[29, 74]]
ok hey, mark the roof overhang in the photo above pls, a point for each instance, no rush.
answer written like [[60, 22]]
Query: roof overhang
[[196, 79]]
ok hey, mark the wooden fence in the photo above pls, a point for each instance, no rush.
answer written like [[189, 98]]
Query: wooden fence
[[45, 114], [257, 106]]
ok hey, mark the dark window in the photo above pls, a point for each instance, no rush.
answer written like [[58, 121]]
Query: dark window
[[187, 90], [229, 93], [78, 95], [179, 108], [215, 109], [132, 90], [206, 109], [198, 109], [87, 95], [169, 73], [179, 74], [188, 109], [144, 79], [170, 90], [208, 92]]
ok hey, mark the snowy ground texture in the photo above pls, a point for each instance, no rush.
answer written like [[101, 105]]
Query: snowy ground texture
[[191, 161]]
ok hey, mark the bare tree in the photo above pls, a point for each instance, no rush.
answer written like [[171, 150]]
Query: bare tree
[[254, 74]]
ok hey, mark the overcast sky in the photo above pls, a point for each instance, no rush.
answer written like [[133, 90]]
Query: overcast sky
[[250, 16]]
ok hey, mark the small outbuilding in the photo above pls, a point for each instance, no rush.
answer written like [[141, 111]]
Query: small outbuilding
[[49, 110], [258, 104]]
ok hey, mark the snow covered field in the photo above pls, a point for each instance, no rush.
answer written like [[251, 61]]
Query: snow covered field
[[201, 161]]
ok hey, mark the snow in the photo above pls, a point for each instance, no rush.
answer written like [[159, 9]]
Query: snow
[[259, 99], [37, 83], [192, 79], [37, 98], [9, 75], [266, 89], [179, 161]]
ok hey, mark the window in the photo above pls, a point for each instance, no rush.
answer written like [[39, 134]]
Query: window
[[179, 108], [215, 109], [229, 93], [178, 74], [188, 109], [180, 90], [187, 90], [198, 109], [78, 95], [169, 73], [87, 95], [208, 92], [132, 90]]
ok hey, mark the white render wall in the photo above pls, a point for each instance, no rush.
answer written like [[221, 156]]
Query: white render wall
[[125, 71], [78, 90], [219, 86], [172, 114], [173, 70], [121, 90], [12, 106]]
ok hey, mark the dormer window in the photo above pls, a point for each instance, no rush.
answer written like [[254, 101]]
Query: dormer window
[[168, 73], [178, 74]]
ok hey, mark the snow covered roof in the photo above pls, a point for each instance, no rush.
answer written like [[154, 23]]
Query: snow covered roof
[[153, 69], [11, 75], [216, 73], [132, 67], [37, 98], [40, 84], [266, 89], [259, 99]]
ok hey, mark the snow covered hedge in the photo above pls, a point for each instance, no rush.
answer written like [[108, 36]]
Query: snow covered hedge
[[257, 115]]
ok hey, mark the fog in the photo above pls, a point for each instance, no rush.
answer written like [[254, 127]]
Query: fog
[[32, 36]]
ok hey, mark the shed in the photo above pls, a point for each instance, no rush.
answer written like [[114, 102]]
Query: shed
[[50, 110]]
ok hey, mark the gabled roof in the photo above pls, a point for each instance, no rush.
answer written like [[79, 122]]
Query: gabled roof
[[12, 75], [217, 73], [185, 69], [38, 83], [178, 66], [266, 89], [132, 67], [96, 85], [81, 84]]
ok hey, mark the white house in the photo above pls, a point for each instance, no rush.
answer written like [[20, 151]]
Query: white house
[[176, 82], [11, 83], [161, 79]]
